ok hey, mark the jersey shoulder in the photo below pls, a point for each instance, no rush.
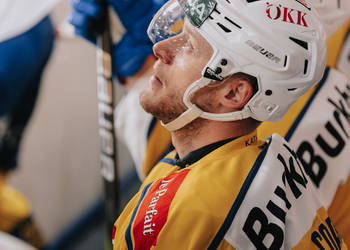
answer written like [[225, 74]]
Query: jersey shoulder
[[282, 201]]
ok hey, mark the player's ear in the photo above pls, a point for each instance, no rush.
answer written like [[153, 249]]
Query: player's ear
[[235, 93]]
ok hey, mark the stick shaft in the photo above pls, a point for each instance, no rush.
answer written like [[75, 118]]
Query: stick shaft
[[108, 154]]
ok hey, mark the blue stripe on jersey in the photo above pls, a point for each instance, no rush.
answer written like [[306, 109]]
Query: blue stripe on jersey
[[168, 160], [240, 197], [306, 107], [167, 151], [128, 230]]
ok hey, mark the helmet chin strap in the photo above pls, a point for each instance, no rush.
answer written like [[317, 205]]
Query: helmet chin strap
[[185, 118], [193, 112]]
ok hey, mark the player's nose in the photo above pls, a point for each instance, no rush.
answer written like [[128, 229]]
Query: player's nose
[[163, 51]]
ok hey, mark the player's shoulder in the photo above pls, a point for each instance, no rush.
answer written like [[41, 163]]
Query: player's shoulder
[[276, 191]]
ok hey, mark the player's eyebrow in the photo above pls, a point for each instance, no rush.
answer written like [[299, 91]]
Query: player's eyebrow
[[187, 27]]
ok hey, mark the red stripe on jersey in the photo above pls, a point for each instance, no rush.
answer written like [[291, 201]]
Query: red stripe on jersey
[[153, 211], [113, 233]]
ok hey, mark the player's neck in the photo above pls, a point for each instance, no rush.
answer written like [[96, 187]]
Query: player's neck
[[203, 132]]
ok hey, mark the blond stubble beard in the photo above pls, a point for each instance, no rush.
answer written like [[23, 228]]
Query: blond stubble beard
[[166, 109], [169, 108]]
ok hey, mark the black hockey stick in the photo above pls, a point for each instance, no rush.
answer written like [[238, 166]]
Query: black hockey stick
[[108, 156]]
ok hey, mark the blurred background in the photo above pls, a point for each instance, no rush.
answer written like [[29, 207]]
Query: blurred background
[[59, 169]]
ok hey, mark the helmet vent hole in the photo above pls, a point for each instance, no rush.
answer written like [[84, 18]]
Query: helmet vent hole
[[235, 24], [292, 89], [305, 66], [268, 92], [300, 42], [224, 28], [228, 1], [251, 1]]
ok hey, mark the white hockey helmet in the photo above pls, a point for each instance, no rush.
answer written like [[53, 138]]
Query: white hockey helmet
[[280, 42], [333, 13]]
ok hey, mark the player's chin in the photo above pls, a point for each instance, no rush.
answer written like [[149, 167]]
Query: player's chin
[[146, 98]]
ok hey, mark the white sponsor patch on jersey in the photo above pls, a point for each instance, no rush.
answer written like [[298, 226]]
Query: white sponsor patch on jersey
[[273, 212], [321, 135]]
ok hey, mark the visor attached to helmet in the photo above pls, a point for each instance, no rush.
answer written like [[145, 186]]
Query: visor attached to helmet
[[169, 20]]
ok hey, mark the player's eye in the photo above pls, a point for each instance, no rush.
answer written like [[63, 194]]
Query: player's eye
[[187, 45], [182, 43]]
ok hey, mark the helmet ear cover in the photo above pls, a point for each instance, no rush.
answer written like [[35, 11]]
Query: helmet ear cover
[[281, 43]]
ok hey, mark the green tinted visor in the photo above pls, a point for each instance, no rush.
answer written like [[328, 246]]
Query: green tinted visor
[[169, 20]]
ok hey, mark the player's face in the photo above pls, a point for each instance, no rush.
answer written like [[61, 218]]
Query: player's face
[[181, 60]]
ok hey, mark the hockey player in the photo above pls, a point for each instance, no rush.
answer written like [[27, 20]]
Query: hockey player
[[231, 65], [26, 41], [333, 15], [317, 124]]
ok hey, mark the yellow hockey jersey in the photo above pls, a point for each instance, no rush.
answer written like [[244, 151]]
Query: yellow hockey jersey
[[245, 194]]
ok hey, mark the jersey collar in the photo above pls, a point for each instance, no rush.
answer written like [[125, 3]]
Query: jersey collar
[[198, 154]]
